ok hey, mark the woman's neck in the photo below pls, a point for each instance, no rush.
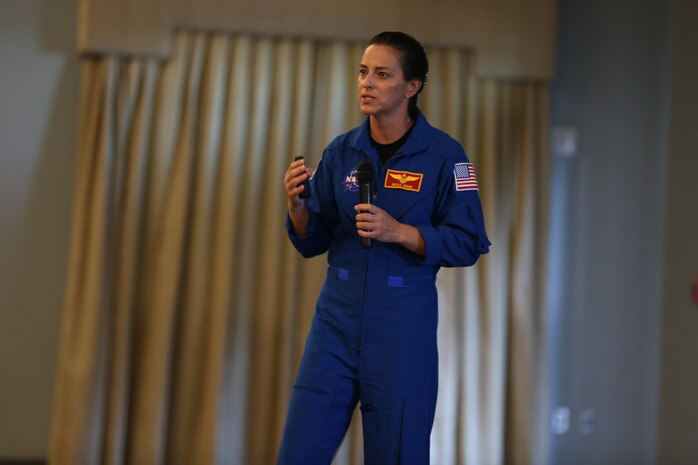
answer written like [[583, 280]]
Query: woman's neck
[[388, 130]]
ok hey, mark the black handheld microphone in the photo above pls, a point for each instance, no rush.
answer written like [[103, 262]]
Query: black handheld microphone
[[364, 174], [306, 184]]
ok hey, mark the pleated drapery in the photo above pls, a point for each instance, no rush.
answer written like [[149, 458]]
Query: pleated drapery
[[186, 306], [492, 326]]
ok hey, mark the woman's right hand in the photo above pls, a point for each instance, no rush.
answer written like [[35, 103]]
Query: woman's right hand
[[296, 173], [293, 182]]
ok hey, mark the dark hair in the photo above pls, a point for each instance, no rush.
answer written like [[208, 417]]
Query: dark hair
[[413, 59]]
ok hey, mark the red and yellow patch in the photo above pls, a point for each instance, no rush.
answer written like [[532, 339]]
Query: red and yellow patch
[[403, 180]]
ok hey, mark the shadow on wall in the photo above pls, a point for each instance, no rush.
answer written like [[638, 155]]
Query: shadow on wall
[[22, 462], [46, 74], [59, 27]]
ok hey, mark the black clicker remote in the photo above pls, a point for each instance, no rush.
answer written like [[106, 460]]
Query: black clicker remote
[[306, 184]]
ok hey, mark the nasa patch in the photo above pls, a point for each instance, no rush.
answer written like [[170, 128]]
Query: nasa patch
[[350, 183]]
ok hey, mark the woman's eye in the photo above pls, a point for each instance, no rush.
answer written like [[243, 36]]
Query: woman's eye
[[362, 72], [382, 75]]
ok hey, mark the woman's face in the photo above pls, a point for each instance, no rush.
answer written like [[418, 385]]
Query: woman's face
[[383, 90]]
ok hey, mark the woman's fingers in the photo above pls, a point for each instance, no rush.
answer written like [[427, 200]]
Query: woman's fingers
[[376, 223], [294, 177]]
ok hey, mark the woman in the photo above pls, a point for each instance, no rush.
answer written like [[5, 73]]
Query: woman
[[373, 336]]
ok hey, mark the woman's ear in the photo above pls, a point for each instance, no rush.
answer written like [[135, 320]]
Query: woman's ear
[[413, 87]]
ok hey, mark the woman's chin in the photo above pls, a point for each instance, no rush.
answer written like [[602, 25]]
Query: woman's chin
[[367, 108]]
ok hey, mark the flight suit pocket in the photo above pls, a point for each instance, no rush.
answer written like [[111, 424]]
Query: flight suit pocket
[[417, 421], [422, 282], [382, 429], [312, 389]]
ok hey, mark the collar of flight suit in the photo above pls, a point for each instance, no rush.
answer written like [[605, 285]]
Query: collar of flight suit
[[419, 140]]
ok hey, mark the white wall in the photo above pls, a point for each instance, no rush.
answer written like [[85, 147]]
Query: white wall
[[625, 224], [38, 106], [678, 408]]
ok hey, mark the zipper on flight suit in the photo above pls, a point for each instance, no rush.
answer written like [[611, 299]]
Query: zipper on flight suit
[[357, 347], [383, 172]]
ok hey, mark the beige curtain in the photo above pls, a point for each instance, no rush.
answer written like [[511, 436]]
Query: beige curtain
[[492, 316], [187, 308]]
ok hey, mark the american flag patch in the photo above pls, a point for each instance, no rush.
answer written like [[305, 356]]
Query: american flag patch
[[464, 173]]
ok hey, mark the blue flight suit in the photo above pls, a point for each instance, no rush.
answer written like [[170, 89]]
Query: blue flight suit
[[373, 335]]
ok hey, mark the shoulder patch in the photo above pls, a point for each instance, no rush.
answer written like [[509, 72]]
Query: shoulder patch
[[464, 175]]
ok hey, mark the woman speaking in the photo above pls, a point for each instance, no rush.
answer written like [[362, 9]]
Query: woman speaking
[[373, 335]]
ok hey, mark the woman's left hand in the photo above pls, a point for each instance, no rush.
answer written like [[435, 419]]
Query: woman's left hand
[[377, 224]]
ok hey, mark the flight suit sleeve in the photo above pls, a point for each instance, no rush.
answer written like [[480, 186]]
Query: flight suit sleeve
[[323, 217], [456, 236]]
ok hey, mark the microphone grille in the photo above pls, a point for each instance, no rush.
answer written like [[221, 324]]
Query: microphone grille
[[364, 172]]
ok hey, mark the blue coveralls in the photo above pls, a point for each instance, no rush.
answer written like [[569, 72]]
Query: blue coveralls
[[373, 335]]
